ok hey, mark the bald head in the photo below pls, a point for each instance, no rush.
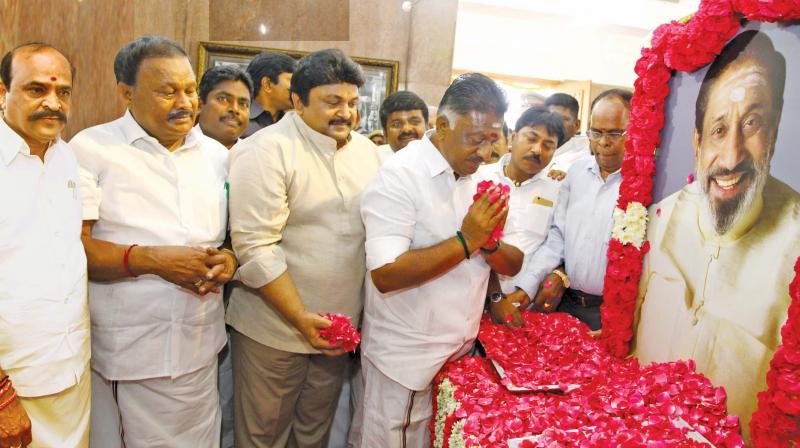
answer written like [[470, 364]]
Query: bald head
[[6, 65]]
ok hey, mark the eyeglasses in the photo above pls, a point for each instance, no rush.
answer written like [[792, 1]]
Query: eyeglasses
[[597, 135]]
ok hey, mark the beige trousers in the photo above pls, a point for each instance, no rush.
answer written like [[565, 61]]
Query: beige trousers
[[283, 399], [157, 412], [61, 420]]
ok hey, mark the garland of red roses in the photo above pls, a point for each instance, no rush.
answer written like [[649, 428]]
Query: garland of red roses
[[687, 47]]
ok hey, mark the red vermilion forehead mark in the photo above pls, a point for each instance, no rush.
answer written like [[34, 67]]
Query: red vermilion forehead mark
[[53, 78]]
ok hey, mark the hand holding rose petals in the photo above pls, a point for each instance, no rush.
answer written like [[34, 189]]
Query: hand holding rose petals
[[502, 190], [341, 332]]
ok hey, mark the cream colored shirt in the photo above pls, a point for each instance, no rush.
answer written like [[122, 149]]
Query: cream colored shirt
[[719, 300], [138, 192], [44, 312], [416, 202], [530, 210], [295, 203]]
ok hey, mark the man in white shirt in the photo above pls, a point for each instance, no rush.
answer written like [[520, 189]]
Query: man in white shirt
[[44, 313], [427, 281], [534, 195], [581, 229], [295, 199], [404, 118], [575, 146], [225, 95], [154, 211]]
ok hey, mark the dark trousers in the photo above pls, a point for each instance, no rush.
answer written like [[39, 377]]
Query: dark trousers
[[588, 313]]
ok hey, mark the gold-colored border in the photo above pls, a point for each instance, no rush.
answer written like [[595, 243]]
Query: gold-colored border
[[206, 49]]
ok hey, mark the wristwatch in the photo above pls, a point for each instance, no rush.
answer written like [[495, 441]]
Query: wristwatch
[[563, 276], [496, 297]]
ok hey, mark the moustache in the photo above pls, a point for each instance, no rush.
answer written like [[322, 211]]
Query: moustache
[[180, 114], [233, 117], [536, 159], [339, 121], [407, 135], [475, 159], [57, 114], [744, 167]]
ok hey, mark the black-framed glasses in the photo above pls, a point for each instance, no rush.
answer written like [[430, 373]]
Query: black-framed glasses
[[613, 135]]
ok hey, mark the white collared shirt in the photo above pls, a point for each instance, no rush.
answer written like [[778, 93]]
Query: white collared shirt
[[570, 152], [530, 209], [138, 192], [415, 202], [384, 152], [44, 313]]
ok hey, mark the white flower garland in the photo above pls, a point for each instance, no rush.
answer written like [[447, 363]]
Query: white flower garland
[[446, 404], [630, 226]]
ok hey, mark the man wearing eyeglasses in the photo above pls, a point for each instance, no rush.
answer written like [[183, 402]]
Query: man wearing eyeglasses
[[572, 262]]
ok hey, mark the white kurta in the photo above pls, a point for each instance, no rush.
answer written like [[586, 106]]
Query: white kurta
[[719, 300]]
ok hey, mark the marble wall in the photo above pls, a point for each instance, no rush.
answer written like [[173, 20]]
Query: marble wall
[[90, 32]]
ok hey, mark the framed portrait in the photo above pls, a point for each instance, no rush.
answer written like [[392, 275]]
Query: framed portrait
[[381, 75], [711, 270]]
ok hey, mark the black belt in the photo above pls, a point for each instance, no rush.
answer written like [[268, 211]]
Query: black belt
[[583, 299]]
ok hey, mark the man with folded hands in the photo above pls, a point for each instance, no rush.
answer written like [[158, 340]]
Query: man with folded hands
[[429, 254], [154, 220]]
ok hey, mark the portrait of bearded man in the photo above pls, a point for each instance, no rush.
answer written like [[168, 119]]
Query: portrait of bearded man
[[714, 286]]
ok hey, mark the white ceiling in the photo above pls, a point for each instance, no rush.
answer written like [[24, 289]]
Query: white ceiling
[[641, 14], [597, 40]]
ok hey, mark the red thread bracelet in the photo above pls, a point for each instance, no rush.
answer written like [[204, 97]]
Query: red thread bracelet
[[125, 264], [8, 400]]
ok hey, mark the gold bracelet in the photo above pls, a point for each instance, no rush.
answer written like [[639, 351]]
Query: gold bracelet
[[563, 276]]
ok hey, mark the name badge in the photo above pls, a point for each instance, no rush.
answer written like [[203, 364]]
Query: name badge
[[538, 200]]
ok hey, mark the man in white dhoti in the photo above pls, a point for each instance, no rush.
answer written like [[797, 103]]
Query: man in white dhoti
[[154, 218], [429, 254], [44, 312]]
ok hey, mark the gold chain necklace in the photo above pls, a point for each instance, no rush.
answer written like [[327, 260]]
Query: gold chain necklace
[[505, 172]]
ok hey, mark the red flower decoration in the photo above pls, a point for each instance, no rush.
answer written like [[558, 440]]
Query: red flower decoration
[[687, 47], [341, 332], [619, 404]]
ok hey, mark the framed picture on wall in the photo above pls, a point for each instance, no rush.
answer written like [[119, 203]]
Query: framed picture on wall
[[381, 75]]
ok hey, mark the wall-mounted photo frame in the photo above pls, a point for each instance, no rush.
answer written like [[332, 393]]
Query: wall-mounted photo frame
[[381, 75]]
